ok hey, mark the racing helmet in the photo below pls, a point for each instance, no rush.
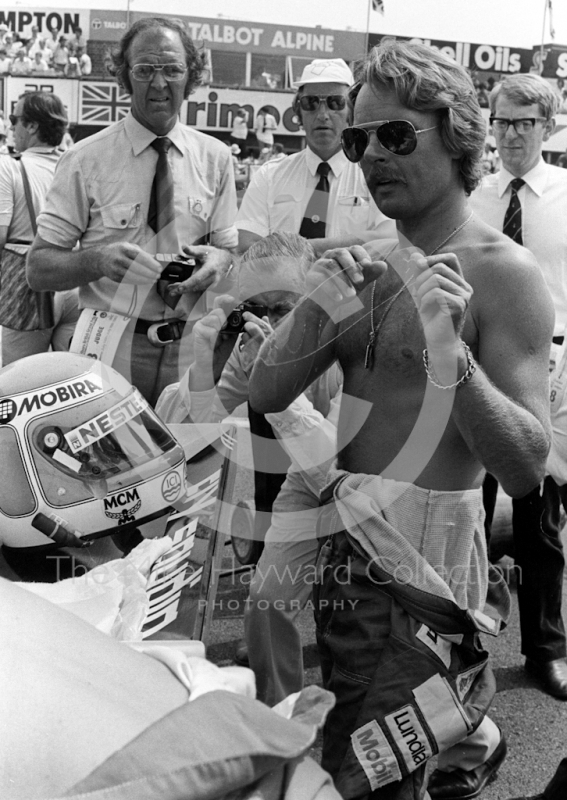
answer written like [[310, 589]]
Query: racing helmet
[[83, 454]]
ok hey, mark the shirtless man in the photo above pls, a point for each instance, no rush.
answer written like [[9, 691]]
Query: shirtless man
[[414, 441]]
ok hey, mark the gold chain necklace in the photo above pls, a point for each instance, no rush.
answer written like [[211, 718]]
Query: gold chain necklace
[[375, 329]]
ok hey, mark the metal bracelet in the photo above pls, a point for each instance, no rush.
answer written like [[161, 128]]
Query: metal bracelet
[[470, 370]]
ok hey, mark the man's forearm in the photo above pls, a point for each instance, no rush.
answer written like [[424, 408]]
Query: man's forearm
[[510, 441], [290, 359], [54, 269]]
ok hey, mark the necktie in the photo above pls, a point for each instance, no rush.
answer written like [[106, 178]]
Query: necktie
[[161, 213], [315, 218], [513, 217], [162, 210]]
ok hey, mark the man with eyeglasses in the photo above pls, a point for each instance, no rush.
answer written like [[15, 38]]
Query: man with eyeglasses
[[444, 346], [316, 192], [134, 196], [527, 199]]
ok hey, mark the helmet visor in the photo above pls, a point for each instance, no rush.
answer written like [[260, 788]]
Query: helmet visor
[[110, 443]]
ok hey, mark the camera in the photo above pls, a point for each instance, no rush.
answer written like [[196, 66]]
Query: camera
[[235, 320], [178, 270]]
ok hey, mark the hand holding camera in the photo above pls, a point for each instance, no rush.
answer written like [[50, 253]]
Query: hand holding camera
[[179, 270], [215, 335]]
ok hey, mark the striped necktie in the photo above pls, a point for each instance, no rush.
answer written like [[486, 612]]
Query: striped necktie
[[513, 217], [162, 209], [315, 219]]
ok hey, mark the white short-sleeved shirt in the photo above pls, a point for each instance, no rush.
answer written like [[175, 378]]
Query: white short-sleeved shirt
[[544, 222], [278, 194], [101, 195], [40, 163]]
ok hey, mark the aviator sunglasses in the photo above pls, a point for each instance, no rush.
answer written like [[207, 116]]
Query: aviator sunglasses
[[311, 102], [398, 136]]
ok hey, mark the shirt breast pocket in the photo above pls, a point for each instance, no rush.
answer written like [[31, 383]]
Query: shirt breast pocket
[[123, 215], [285, 214], [352, 214]]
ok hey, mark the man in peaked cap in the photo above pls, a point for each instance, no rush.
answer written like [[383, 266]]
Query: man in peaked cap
[[282, 194]]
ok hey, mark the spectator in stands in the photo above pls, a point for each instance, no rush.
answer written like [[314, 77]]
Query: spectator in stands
[[489, 159], [39, 64], [79, 40], [482, 95], [46, 53], [33, 42], [5, 62], [85, 62], [3, 146], [61, 55], [72, 68], [265, 126], [278, 153], [52, 41], [22, 64], [239, 132], [3, 31], [11, 48]]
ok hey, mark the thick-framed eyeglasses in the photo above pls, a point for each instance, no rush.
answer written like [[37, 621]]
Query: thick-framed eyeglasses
[[146, 72], [522, 125], [311, 102], [398, 136], [13, 119]]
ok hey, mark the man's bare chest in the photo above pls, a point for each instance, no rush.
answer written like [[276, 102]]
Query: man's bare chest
[[386, 335]]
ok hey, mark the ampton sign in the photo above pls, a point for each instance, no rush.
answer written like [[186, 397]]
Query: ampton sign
[[66, 20]]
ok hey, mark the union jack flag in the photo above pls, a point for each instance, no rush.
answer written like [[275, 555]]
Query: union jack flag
[[102, 103]]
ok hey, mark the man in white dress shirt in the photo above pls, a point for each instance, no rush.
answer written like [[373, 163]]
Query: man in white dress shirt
[[280, 194], [527, 199]]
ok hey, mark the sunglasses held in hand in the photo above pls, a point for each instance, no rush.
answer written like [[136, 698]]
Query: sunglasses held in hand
[[398, 136]]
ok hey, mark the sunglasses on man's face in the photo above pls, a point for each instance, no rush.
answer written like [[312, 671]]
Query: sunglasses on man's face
[[311, 102], [398, 136], [13, 120]]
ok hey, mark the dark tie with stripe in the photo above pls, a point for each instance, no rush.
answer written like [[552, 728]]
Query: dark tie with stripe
[[513, 217], [315, 219], [162, 209]]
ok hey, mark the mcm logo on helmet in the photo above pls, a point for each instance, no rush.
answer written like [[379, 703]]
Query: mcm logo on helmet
[[118, 501]]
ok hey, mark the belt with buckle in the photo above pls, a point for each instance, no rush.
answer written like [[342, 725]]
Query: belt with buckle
[[160, 333]]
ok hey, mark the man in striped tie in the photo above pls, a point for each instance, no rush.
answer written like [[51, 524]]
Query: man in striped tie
[[135, 195], [527, 200]]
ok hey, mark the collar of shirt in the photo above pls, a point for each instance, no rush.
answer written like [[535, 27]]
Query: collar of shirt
[[337, 162], [536, 179], [41, 149], [141, 138]]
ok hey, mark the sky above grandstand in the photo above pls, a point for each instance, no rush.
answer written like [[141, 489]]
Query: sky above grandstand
[[507, 22]]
